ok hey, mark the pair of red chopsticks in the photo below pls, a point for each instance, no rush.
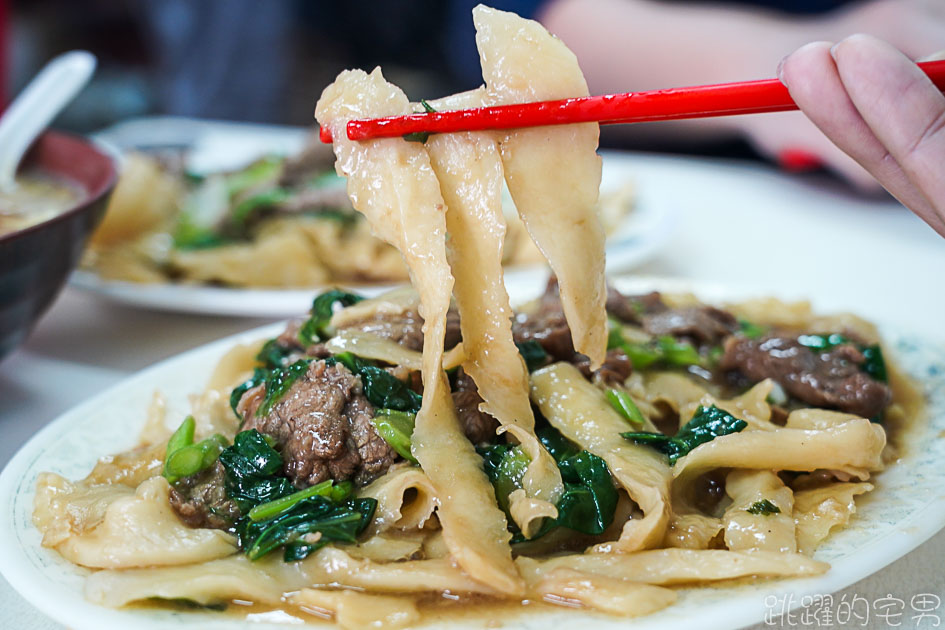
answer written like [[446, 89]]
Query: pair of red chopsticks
[[704, 101]]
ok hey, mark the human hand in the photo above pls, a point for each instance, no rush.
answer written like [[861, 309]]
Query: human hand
[[916, 27], [882, 110]]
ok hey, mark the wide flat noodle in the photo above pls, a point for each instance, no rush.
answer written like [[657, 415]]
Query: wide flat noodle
[[819, 510], [370, 346], [405, 498], [117, 527], [854, 448], [470, 172], [606, 594], [553, 173], [265, 581], [677, 566], [581, 412], [392, 183], [355, 611], [745, 531]]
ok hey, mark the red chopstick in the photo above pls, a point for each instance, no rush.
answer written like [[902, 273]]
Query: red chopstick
[[704, 101]]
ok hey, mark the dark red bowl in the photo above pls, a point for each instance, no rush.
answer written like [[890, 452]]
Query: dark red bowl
[[35, 261]]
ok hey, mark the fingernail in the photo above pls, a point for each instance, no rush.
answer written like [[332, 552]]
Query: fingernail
[[781, 68], [833, 51]]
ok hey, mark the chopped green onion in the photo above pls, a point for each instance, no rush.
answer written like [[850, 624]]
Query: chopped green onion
[[678, 353], [763, 507], [186, 459], [268, 510], [183, 436], [623, 403]]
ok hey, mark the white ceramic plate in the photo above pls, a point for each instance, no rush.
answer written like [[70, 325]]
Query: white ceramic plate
[[907, 507], [222, 146]]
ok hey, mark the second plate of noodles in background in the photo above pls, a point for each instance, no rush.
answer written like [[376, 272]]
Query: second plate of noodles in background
[[237, 219]]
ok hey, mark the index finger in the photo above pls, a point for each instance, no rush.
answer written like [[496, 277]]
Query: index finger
[[902, 107]]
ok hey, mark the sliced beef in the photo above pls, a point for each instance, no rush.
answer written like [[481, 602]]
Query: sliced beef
[[704, 325], [313, 159], [631, 309], [831, 379], [615, 369], [200, 500], [322, 426], [407, 328], [546, 324], [477, 425]]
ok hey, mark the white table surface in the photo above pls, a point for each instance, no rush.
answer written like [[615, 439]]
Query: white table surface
[[740, 224]]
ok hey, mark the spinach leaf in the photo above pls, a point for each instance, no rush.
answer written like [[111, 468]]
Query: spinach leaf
[[505, 466], [253, 471], [589, 499], [707, 424], [875, 364], [278, 515], [273, 354], [558, 446], [534, 355], [764, 507], [258, 378], [420, 136], [306, 527], [381, 388], [323, 307]]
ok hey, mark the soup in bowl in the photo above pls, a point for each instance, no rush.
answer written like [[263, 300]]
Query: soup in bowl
[[63, 185]]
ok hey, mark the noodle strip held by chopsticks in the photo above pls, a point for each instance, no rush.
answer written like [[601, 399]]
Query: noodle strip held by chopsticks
[[391, 182]]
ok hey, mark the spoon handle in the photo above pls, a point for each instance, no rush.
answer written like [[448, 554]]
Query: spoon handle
[[37, 105]]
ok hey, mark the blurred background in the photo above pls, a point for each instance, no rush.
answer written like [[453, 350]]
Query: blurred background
[[268, 60]]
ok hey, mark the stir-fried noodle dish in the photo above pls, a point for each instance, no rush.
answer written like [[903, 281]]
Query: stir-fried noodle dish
[[432, 448]]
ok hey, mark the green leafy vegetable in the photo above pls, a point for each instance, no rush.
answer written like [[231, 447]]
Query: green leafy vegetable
[[323, 307], [245, 208], [750, 330], [278, 381], [253, 470], [273, 354], [765, 507], [278, 515], [677, 353], [183, 458], [534, 355], [306, 527], [623, 403], [381, 388], [396, 427], [665, 350], [336, 492], [261, 171], [874, 364], [258, 378], [589, 499], [420, 136], [707, 424], [189, 235]]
